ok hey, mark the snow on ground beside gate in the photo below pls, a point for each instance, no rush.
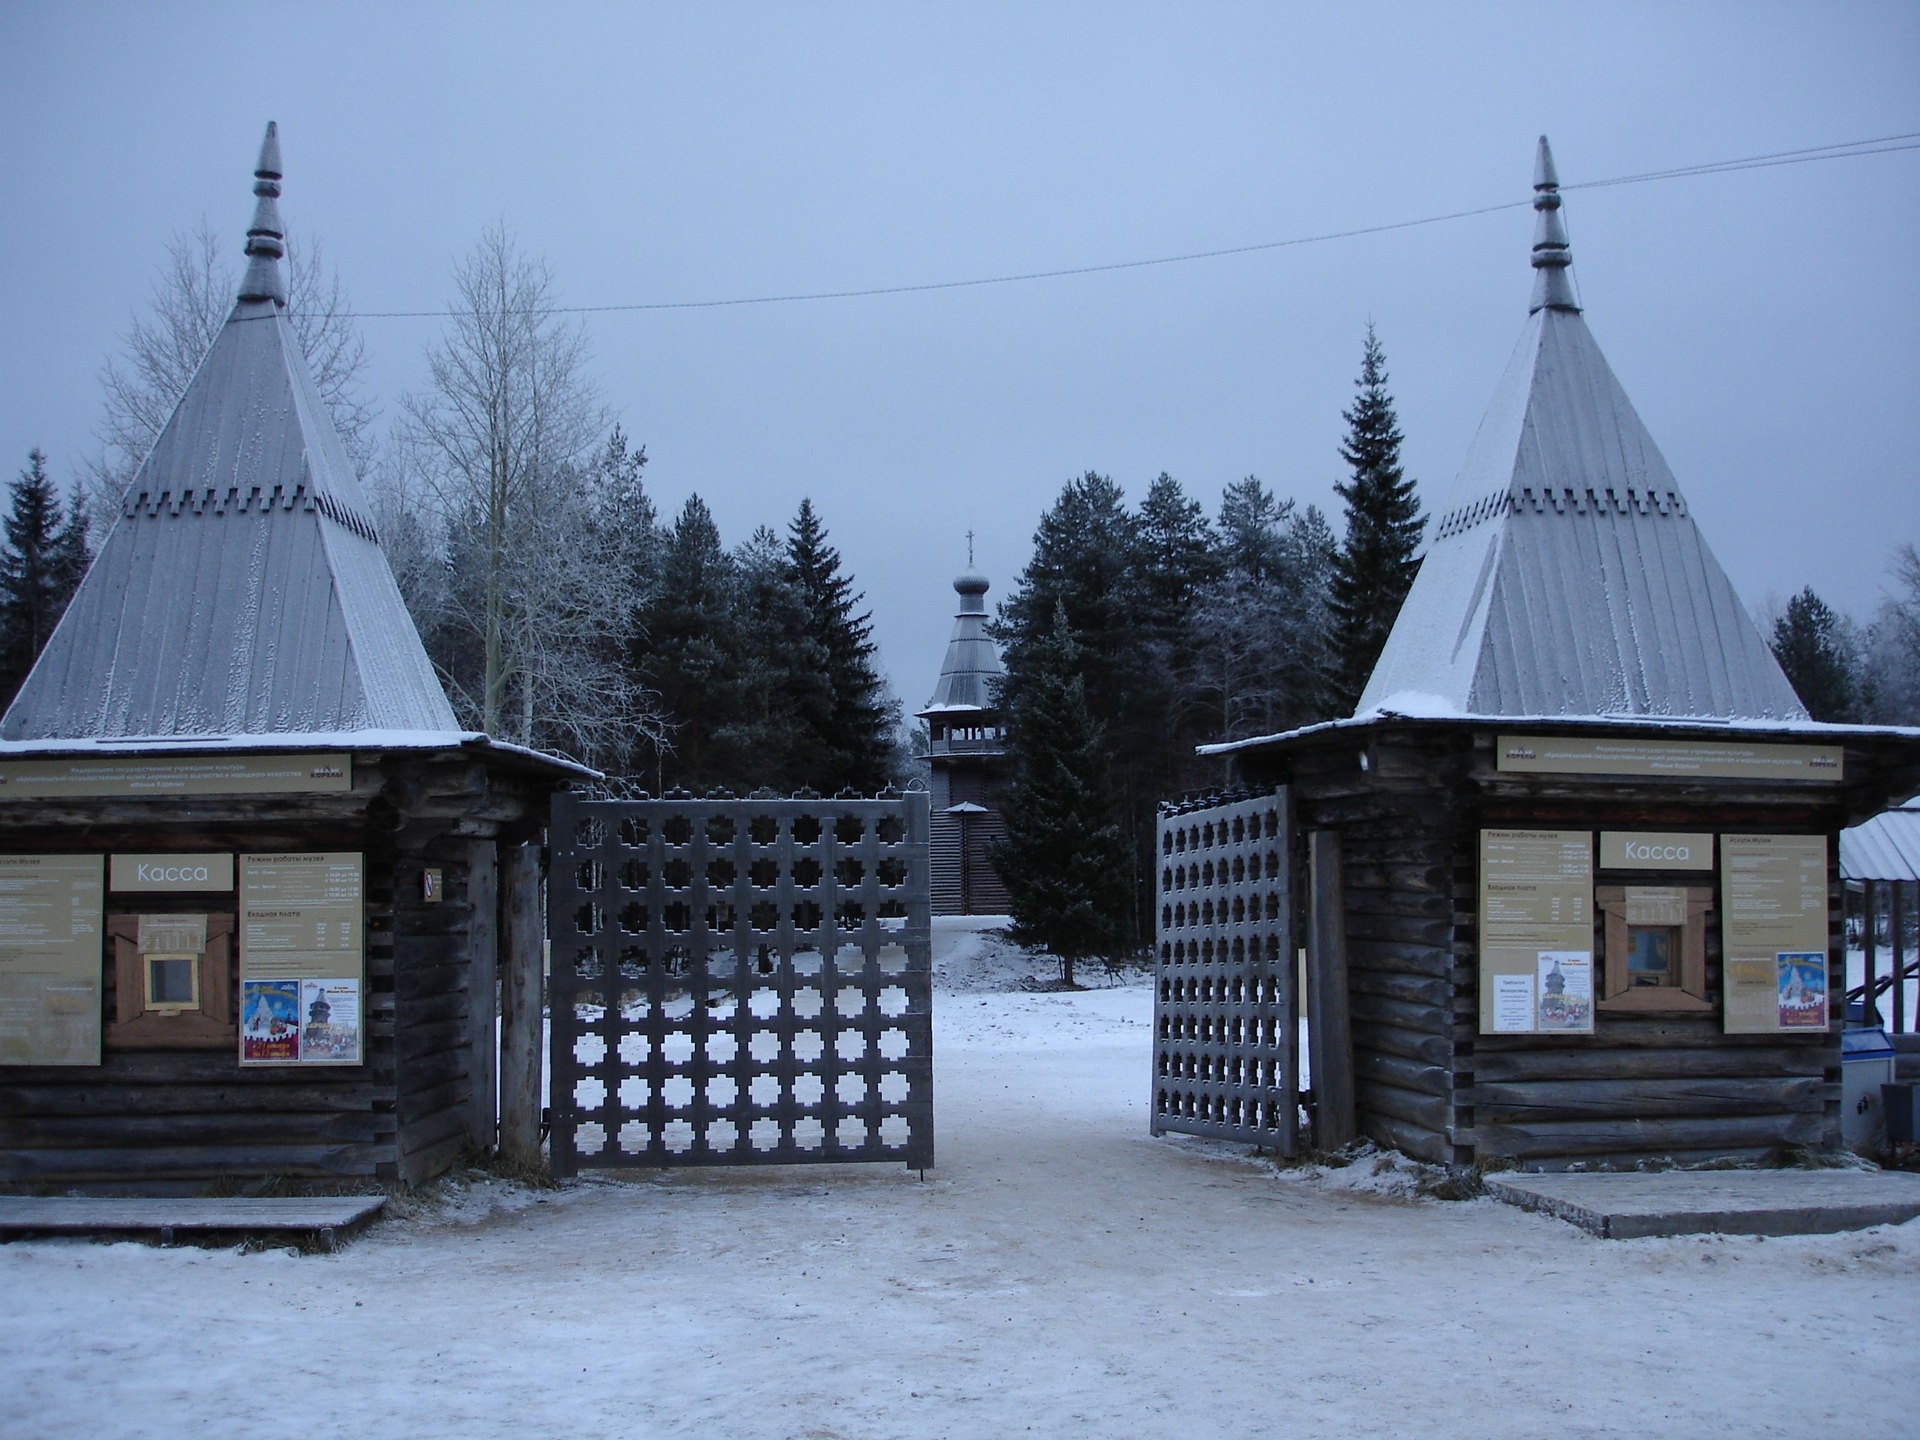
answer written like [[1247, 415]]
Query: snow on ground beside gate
[[1060, 1272]]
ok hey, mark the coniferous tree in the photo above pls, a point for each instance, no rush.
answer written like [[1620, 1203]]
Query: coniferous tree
[[1813, 647], [1089, 563], [852, 744], [781, 693], [688, 657], [1065, 859], [1375, 565], [46, 555]]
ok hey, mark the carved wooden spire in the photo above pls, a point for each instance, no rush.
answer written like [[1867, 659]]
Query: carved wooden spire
[[1552, 258], [267, 236]]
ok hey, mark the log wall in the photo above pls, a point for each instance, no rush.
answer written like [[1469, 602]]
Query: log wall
[[179, 1119], [1643, 1087]]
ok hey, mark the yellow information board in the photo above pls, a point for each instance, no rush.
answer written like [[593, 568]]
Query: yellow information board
[[1536, 932], [1773, 928], [50, 959], [302, 959]]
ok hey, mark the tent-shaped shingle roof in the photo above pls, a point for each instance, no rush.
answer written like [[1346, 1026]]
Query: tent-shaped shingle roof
[[973, 661], [1566, 576], [242, 589]]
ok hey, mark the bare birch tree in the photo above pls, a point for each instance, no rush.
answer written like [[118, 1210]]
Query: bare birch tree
[[537, 604], [193, 295]]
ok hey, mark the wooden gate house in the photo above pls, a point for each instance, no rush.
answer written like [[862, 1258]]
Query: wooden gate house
[[1587, 837], [251, 868]]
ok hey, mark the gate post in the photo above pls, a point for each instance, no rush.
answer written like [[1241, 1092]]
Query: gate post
[[520, 1007], [1329, 1036]]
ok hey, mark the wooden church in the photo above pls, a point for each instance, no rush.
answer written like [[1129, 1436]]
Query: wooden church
[[254, 876], [967, 754], [1583, 883]]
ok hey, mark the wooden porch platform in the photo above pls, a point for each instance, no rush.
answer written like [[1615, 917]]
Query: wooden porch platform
[[323, 1218]]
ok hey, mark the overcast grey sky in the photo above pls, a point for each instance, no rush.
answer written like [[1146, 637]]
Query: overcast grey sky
[[1764, 322]]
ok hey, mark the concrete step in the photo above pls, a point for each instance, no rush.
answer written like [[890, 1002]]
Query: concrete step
[[1619, 1206]]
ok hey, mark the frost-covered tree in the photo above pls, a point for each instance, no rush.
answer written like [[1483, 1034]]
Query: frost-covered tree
[[1374, 566], [1261, 629], [1816, 649], [1890, 648], [192, 296], [502, 451], [1065, 860], [45, 556]]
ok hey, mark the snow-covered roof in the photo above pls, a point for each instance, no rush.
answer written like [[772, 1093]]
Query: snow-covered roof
[[242, 589], [1566, 575], [973, 660], [360, 741], [1886, 847]]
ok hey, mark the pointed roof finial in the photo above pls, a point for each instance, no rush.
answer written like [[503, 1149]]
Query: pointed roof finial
[[266, 237], [1552, 258]]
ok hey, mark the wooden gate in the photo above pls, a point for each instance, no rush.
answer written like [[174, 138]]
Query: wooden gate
[[1225, 1014], [740, 982]]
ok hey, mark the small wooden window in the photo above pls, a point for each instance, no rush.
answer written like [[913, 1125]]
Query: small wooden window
[[1656, 946], [172, 982]]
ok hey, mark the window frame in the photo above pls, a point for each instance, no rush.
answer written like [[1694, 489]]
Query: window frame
[[1618, 992]]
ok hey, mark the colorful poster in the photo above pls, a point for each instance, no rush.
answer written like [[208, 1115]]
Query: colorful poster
[[1566, 990], [270, 1021], [1801, 985], [330, 1021]]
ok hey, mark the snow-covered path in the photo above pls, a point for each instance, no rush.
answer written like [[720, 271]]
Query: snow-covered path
[[1061, 1273]]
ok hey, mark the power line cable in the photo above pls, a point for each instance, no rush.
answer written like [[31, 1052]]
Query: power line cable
[[1881, 145]]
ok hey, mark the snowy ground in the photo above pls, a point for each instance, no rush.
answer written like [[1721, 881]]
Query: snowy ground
[[1059, 1273]]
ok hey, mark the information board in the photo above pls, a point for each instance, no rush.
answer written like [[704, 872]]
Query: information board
[[50, 959], [302, 959], [1690, 759], [138, 776], [1536, 931], [1773, 928]]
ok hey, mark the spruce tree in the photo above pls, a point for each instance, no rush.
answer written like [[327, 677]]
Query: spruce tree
[[1813, 647], [1065, 859], [852, 744], [781, 695], [45, 556], [688, 656], [1374, 567]]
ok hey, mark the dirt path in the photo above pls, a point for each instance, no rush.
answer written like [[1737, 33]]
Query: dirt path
[[1060, 1273]]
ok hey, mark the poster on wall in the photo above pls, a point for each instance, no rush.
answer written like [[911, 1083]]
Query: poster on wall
[[1773, 891], [1536, 932], [50, 959], [302, 959]]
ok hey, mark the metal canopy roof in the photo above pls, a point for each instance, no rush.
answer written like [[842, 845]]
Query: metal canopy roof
[[973, 660], [1566, 576], [1886, 847], [242, 589]]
